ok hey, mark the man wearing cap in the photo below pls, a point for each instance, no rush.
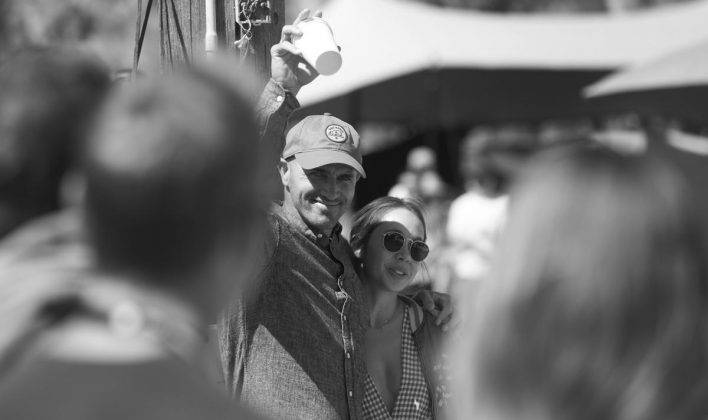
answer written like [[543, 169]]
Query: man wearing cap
[[292, 345]]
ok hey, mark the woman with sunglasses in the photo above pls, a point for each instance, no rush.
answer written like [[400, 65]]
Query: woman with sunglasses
[[402, 341]]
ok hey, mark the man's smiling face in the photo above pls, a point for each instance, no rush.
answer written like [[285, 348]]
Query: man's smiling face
[[320, 195]]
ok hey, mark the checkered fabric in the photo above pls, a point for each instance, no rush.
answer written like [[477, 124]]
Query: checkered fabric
[[413, 400]]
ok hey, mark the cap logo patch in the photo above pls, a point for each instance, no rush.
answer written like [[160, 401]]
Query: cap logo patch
[[336, 133]]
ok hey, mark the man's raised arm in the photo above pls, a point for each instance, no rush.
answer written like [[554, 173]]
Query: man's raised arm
[[289, 72]]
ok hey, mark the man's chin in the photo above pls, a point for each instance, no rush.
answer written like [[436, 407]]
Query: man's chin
[[322, 221]]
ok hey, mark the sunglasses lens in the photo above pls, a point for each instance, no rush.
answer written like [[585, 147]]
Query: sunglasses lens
[[419, 250], [393, 241]]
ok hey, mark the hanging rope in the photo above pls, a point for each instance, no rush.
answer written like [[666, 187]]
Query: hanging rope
[[246, 14], [180, 35], [140, 29], [166, 57]]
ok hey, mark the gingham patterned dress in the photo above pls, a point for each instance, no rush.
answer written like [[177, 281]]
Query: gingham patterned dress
[[413, 400]]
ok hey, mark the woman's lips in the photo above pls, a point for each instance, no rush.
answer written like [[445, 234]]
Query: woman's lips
[[398, 273]]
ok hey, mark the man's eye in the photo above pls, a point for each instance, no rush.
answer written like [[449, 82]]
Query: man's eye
[[346, 178]]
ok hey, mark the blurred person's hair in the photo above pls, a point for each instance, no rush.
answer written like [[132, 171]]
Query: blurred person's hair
[[371, 215], [171, 173], [596, 306], [48, 99]]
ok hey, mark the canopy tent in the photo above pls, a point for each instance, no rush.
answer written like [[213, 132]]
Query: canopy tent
[[675, 84], [424, 65]]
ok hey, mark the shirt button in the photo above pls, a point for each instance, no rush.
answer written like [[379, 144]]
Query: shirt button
[[349, 356], [279, 98], [350, 394], [345, 317]]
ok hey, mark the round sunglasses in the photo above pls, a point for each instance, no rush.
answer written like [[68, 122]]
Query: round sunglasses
[[394, 241]]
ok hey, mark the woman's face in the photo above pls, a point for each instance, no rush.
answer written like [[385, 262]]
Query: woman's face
[[392, 271]]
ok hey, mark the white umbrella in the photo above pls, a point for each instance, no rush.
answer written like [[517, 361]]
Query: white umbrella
[[522, 65], [675, 84]]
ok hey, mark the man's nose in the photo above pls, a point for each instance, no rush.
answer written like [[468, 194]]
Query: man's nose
[[329, 188]]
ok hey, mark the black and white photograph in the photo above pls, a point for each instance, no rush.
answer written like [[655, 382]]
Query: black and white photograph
[[353, 209]]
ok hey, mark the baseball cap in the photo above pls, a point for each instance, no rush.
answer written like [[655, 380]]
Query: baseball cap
[[320, 140]]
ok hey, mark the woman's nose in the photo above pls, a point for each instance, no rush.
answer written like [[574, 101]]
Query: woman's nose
[[404, 254]]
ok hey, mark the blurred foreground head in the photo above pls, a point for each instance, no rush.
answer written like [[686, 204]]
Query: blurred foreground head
[[596, 308], [47, 101], [172, 183]]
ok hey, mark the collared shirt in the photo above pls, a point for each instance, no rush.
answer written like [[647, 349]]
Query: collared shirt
[[292, 345]]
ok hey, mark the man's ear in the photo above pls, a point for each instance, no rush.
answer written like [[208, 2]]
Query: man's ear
[[284, 171]]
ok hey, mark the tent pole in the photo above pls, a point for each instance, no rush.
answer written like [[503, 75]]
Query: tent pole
[[210, 37]]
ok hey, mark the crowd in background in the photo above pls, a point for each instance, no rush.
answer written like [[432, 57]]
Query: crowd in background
[[490, 158]]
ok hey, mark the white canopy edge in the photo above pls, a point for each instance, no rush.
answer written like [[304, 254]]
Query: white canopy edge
[[382, 39], [683, 68]]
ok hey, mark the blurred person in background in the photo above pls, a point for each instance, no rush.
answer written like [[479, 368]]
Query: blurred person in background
[[406, 186], [597, 308], [405, 377], [49, 98], [48, 103], [170, 210], [421, 159], [434, 194], [292, 345], [477, 216], [490, 159], [420, 178]]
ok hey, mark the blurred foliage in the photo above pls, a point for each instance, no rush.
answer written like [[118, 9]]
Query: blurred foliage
[[105, 27]]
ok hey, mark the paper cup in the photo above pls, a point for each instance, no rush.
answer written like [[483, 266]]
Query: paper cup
[[318, 46]]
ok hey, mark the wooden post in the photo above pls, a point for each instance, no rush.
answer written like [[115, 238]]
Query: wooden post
[[189, 16], [265, 36]]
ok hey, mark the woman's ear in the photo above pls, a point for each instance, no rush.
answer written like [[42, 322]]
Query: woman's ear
[[356, 247]]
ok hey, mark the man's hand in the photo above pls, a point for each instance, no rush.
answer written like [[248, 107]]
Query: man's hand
[[288, 67], [439, 305]]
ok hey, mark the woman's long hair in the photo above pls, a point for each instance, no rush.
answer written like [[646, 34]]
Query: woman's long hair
[[596, 306]]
